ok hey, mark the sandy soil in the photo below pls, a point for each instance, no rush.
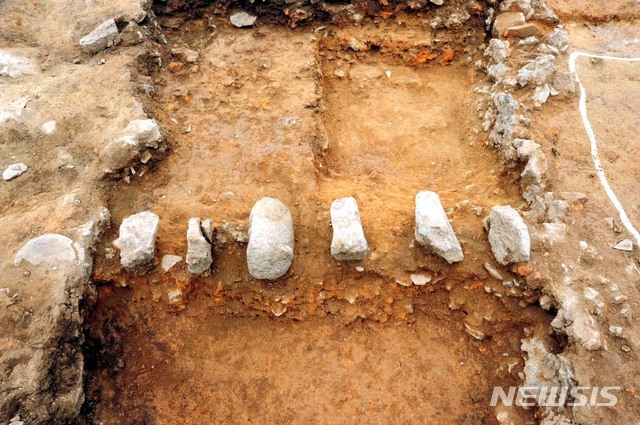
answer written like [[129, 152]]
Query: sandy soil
[[589, 11], [611, 109]]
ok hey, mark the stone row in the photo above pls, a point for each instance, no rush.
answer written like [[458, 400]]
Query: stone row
[[270, 247]]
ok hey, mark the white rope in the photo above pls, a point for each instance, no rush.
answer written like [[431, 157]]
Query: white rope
[[594, 144]]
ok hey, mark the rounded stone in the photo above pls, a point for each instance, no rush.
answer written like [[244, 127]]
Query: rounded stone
[[270, 248]]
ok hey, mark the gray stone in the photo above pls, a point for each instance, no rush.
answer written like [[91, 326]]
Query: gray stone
[[525, 148], [137, 240], [88, 234], [565, 83], [146, 132], [242, 19], [538, 71], [198, 248], [100, 38], [557, 210], [348, 241], [542, 368], [119, 153], [498, 50], [13, 171], [547, 49], [207, 229], [574, 319], [501, 136], [270, 248], [433, 229], [498, 71], [559, 39], [508, 235], [50, 248], [529, 41]]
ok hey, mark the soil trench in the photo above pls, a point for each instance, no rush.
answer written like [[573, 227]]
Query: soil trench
[[304, 118]]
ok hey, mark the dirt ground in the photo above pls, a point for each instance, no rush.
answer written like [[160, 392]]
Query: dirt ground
[[379, 106]]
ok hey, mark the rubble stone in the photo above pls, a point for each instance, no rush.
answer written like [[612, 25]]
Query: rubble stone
[[433, 229], [137, 240], [508, 235], [349, 242], [270, 248], [100, 38]]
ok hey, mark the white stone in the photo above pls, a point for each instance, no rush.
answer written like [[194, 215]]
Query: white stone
[[616, 330], [541, 94], [145, 132], [14, 170], [15, 66], [207, 229], [13, 110], [175, 298], [100, 38], [437, 2], [498, 50], [590, 293], [420, 279], [538, 71], [576, 321], [50, 248], [270, 247], [624, 245], [493, 272], [536, 167], [49, 127], [169, 261], [242, 19], [525, 148], [508, 235], [198, 248], [348, 241], [137, 240], [433, 229], [542, 368]]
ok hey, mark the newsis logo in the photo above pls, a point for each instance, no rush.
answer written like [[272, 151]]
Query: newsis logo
[[555, 396]]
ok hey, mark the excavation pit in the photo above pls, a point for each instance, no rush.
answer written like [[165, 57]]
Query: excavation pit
[[308, 115]]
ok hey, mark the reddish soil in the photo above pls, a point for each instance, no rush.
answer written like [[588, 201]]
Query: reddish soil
[[266, 112]]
